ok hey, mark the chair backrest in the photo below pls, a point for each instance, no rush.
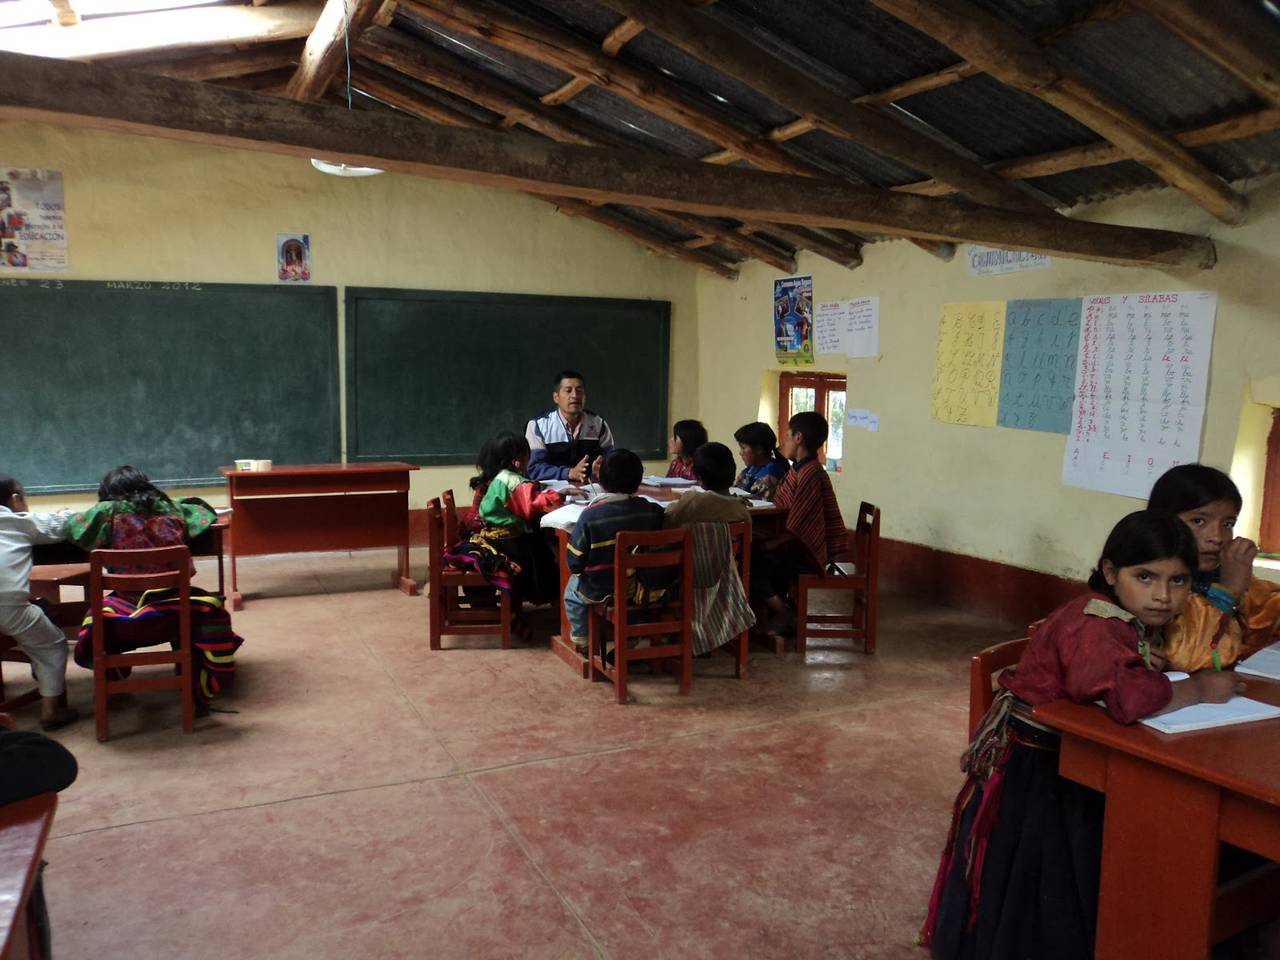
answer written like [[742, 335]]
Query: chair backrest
[[651, 551], [740, 538], [866, 540], [985, 666], [435, 543], [450, 510], [167, 568]]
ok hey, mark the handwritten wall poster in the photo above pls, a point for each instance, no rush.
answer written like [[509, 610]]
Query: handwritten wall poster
[[1142, 373], [983, 261], [966, 375], [293, 257], [830, 318], [1037, 378], [862, 330], [33, 221], [793, 320]]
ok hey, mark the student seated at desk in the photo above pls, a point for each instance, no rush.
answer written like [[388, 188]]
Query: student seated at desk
[[40, 639], [815, 531], [1020, 871], [591, 553], [504, 544], [686, 437], [764, 466], [713, 468], [134, 514], [1231, 613]]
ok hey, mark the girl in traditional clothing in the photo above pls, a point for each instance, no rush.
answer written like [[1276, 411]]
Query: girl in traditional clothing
[[1019, 873], [505, 544], [686, 437], [133, 514], [1231, 613], [763, 465]]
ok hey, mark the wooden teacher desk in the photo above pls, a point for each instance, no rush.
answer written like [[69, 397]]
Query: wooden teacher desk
[[317, 507], [1170, 800]]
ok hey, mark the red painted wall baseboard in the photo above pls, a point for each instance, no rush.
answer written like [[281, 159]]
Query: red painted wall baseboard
[[1011, 593]]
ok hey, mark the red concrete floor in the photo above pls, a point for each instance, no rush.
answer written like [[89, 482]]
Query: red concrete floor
[[370, 798]]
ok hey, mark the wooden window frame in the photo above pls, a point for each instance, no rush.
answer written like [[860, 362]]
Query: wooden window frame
[[1269, 534], [822, 384]]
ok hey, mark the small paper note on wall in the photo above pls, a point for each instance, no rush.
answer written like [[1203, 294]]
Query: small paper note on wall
[[1037, 377], [966, 375]]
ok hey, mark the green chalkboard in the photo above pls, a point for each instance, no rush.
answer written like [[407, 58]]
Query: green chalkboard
[[176, 378], [431, 374]]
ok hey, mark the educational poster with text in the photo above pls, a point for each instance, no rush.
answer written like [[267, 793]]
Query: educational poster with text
[[793, 323], [33, 224], [850, 327], [966, 376], [1038, 375], [1142, 373]]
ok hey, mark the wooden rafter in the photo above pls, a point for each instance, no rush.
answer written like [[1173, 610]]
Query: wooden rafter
[[1014, 58], [438, 69], [1232, 35], [152, 33], [400, 97], [258, 58], [1101, 154], [732, 54], [99, 97], [64, 15], [846, 254], [327, 45]]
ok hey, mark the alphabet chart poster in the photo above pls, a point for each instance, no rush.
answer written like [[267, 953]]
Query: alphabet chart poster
[[1142, 373], [1039, 371], [966, 376]]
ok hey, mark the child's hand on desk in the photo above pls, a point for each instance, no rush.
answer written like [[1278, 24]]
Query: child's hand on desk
[[1216, 686], [578, 474]]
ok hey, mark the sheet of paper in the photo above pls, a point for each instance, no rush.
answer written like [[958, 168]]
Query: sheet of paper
[[858, 418], [563, 518], [966, 375], [1264, 663], [873, 423], [862, 327], [830, 318], [667, 482], [1038, 374], [1142, 371], [992, 261], [760, 504], [1204, 716]]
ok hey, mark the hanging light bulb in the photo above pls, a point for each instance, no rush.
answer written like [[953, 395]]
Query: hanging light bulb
[[345, 169]]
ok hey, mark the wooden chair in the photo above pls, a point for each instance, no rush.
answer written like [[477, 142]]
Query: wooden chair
[[69, 614], [740, 538], [173, 572], [449, 508], [24, 830], [985, 666], [857, 571], [646, 551], [449, 611]]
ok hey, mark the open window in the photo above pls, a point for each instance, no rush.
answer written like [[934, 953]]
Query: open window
[[823, 392]]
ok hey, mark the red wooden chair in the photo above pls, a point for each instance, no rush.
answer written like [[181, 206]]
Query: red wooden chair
[[449, 611], [858, 572], [64, 615], [985, 666], [740, 537], [449, 508], [173, 572], [652, 551]]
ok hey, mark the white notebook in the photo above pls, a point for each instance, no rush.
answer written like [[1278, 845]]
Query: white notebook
[[1264, 663], [668, 482], [563, 518], [1202, 716]]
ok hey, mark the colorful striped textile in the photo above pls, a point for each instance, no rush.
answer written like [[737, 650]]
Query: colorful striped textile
[[720, 607], [479, 554], [813, 515], [152, 619]]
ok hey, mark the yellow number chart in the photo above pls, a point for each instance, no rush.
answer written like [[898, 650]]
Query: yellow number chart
[[966, 377]]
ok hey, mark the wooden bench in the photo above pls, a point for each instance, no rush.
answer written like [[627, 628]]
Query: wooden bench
[[24, 828]]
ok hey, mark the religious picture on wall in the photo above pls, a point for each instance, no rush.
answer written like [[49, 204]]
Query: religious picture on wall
[[293, 257], [33, 228], [793, 320]]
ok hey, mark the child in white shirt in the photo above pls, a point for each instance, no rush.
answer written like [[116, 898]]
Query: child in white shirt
[[22, 620]]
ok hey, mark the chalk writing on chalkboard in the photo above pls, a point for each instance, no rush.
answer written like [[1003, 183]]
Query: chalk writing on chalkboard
[[966, 376], [1142, 372], [1037, 378]]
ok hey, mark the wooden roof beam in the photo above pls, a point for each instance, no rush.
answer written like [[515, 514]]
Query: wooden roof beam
[[1230, 35], [1013, 58], [99, 97], [731, 53], [1101, 154], [438, 69], [326, 48], [258, 58]]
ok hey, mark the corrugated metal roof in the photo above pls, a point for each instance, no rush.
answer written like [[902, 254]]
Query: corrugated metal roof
[[625, 119]]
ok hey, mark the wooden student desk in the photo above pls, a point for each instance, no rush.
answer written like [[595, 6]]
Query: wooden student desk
[[24, 828], [1171, 798], [317, 507], [562, 644]]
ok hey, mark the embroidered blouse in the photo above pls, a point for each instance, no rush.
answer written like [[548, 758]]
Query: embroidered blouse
[[514, 504], [682, 468]]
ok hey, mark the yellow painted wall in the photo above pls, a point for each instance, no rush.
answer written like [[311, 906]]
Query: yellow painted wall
[[140, 208], [997, 493]]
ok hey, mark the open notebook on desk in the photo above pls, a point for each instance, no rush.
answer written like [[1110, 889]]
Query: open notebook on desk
[[652, 481], [1204, 716], [1264, 663]]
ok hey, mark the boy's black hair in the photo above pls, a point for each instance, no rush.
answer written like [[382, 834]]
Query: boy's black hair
[[691, 434], [1192, 485], [130, 484], [564, 375], [713, 463], [1144, 536], [621, 471], [8, 487], [497, 454], [812, 426], [760, 436]]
